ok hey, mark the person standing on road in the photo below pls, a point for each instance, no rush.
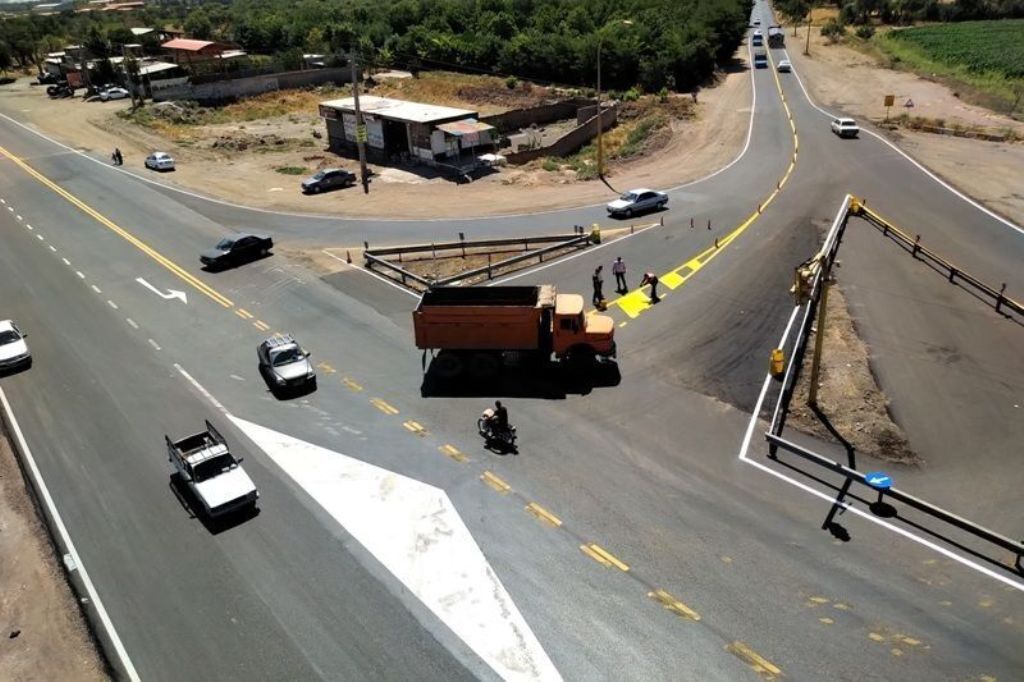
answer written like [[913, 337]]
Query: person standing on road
[[652, 279], [619, 270], [118, 158], [598, 281]]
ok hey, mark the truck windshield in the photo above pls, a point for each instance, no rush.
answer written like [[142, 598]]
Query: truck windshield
[[212, 467]]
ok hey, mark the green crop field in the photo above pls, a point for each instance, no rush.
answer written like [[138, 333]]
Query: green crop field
[[986, 55]]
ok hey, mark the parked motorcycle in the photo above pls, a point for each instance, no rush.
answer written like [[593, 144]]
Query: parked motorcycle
[[490, 432]]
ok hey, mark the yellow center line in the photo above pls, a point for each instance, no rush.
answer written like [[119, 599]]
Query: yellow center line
[[415, 427], [673, 604], [383, 406], [352, 385], [454, 453], [130, 238], [603, 556], [544, 515], [759, 663], [495, 482]]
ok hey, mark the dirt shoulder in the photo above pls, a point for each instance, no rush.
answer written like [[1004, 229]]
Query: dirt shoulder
[[697, 147], [841, 77], [44, 636]]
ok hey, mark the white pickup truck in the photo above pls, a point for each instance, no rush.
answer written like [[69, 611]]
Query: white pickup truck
[[216, 478]]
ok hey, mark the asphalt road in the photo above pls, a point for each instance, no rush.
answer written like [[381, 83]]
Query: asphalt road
[[641, 462]]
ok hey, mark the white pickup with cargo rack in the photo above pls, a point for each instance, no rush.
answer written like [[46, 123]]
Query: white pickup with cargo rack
[[216, 478]]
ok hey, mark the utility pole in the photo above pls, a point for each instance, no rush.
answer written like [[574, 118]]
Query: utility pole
[[807, 45], [819, 338], [360, 127]]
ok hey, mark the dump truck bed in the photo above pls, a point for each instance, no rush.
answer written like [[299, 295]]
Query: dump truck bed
[[483, 318]]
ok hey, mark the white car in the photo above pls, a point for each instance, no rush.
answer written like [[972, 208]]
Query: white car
[[845, 127], [637, 201], [160, 161], [785, 66], [113, 93], [13, 349]]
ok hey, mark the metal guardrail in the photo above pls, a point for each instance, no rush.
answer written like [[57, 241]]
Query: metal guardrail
[[825, 258], [463, 244], [953, 273]]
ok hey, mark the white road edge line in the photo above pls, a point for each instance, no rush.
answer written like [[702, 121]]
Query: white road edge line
[[371, 273], [908, 157], [65, 538], [202, 391], [984, 570]]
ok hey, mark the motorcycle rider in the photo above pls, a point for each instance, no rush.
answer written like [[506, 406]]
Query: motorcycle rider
[[500, 418]]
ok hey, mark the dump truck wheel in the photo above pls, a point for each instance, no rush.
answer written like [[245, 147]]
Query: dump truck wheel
[[447, 365], [483, 365], [580, 358]]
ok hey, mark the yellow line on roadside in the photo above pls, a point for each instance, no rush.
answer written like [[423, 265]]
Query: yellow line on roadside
[[544, 515], [673, 604], [495, 482], [383, 406], [454, 453], [132, 239], [603, 556], [759, 663]]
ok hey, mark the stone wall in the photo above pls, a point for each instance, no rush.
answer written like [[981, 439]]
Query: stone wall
[[571, 141], [229, 90]]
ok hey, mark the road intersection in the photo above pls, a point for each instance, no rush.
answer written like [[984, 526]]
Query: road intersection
[[625, 519]]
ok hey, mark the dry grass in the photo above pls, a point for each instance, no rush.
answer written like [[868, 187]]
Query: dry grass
[[486, 94]]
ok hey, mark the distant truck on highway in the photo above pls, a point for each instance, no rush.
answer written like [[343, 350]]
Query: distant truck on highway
[[776, 38], [475, 327], [216, 478]]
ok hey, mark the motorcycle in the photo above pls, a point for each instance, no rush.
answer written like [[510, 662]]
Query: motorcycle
[[490, 432]]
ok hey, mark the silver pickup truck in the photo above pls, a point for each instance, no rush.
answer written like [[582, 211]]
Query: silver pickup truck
[[216, 478]]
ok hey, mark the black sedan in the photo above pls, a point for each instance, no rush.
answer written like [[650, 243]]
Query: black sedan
[[328, 178], [235, 249]]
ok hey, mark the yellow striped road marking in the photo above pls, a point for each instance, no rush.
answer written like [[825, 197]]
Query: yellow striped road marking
[[544, 515], [352, 385], [603, 556], [133, 240], [326, 368], [673, 604], [244, 314], [415, 427], [495, 482], [262, 326], [454, 453], [383, 406], [759, 663], [636, 302]]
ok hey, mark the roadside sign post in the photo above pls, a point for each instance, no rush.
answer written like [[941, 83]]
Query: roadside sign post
[[880, 481], [889, 101]]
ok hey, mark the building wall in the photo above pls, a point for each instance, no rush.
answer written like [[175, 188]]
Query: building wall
[[222, 91], [571, 141], [546, 113]]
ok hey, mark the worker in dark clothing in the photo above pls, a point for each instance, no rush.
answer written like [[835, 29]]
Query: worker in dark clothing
[[652, 279], [500, 417], [118, 157], [598, 281]]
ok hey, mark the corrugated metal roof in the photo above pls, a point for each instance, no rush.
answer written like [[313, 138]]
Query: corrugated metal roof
[[399, 109], [187, 44], [467, 127]]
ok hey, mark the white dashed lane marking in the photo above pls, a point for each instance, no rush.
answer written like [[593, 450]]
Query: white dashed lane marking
[[66, 261], [112, 304], [96, 289], [154, 344], [131, 323], [79, 273]]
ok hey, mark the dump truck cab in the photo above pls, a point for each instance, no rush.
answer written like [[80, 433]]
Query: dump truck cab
[[575, 333]]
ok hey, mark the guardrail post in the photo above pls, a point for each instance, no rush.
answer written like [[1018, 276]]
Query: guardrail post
[[631, 226], [999, 304], [348, 256], [952, 274], [662, 221], [917, 245], [709, 223], [462, 238], [691, 223]]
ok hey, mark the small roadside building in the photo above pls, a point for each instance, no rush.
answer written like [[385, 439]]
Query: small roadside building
[[401, 130]]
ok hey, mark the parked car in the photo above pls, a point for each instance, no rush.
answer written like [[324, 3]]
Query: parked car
[[637, 201], [235, 249], [845, 127], [284, 364], [328, 178], [785, 66], [160, 161], [14, 351], [113, 93]]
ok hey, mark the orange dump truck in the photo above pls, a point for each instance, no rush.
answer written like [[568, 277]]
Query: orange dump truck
[[475, 327]]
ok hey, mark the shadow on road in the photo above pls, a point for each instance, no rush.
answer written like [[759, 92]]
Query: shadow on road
[[549, 380]]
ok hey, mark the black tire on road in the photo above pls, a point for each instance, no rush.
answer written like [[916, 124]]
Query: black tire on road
[[447, 365]]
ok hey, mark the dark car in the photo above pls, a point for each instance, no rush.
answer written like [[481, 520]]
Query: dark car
[[328, 178], [235, 249]]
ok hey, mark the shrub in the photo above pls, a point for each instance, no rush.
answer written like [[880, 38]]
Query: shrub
[[663, 95], [292, 170], [551, 165], [865, 32], [833, 30], [511, 82], [631, 95]]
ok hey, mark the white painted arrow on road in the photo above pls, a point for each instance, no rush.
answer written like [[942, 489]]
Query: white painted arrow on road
[[414, 530], [172, 293]]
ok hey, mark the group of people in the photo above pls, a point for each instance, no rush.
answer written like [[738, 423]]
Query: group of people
[[619, 270]]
